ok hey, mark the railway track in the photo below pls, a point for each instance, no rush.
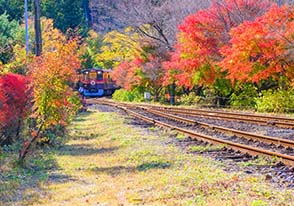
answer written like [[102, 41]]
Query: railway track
[[247, 135], [283, 122], [254, 151]]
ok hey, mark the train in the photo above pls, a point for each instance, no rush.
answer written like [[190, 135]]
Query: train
[[95, 82]]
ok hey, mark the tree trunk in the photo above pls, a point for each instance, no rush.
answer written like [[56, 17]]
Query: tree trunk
[[172, 92], [155, 97], [87, 11], [26, 147], [38, 33], [18, 128]]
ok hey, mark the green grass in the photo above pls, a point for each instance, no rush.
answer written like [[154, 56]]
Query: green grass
[[109, 162], [206, 148], [19, 184], [180, 136]]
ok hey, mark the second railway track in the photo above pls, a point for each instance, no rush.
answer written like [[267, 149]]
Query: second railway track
[[285, 158], [283, 122]]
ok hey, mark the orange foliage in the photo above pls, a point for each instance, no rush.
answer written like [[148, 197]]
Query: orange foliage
[[126, 74], [262, 49], [52, 75], [201, 37]]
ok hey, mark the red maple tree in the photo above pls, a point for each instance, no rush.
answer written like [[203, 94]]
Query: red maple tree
[[262, 48], [203, 34], [14, 98]]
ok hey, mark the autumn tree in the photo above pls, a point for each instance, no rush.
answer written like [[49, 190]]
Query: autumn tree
[[14, 106], [155, 20], [262, 49], [118, 47], [152, 74], [145, 71], [52, 76], [19, 60], [91, 46], [203, 34]]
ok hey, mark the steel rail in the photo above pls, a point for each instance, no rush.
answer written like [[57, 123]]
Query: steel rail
[[247, 135], [286, 159], [283, 122], [268, 117], [231, 116]]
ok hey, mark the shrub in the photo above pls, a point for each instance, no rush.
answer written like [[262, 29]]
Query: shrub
[[128, 96], [53, 136], [122, 95], [189, 99], [13, 106], [244, 98], [275, 101]]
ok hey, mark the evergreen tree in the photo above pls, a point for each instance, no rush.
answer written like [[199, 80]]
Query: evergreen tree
[[8, 36], [14, 9], [65, 13]]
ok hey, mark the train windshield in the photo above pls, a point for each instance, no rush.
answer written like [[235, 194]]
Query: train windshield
[[99, 75], [92, 75]]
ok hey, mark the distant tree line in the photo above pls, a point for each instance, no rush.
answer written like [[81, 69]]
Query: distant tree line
[[67, 14]]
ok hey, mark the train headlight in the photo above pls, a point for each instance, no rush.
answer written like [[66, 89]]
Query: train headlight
[[92, 83]]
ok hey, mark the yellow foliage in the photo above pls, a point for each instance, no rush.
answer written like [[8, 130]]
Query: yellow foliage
[[50, 35], [118, 47], [20, 61], [51, 39]]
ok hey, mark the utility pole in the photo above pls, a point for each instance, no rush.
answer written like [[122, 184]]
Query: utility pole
[[279, 3], [38, 33], [27, 27]]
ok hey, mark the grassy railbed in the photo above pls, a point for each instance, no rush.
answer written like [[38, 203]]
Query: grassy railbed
[[108, 161]]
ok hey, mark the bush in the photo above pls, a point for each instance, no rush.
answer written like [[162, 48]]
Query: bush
[[189, 99], [128, 96], [14, 106], [53, 136], [244, 98], [275, 101]]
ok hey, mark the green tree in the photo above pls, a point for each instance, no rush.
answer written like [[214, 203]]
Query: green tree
[[14, 9], [67, 14], [91, 47], [9, 31]]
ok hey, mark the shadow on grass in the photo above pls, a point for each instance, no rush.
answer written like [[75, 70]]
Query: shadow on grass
[[137, 122], [83, 149], [20, 185], [118, 170], [82, 136], [60, 178], [82, 116]]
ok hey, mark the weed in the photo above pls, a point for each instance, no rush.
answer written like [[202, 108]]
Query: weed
[[200, 148], [180, 136]]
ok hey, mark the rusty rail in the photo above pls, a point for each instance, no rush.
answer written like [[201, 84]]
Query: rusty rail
[[284, 122], [286, 159], [247, 135]]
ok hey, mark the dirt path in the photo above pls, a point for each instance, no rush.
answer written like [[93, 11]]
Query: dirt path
[[112, 163]]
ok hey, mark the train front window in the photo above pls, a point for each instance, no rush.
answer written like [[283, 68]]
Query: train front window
[[92, 75], [99, 75], [86, 76]]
